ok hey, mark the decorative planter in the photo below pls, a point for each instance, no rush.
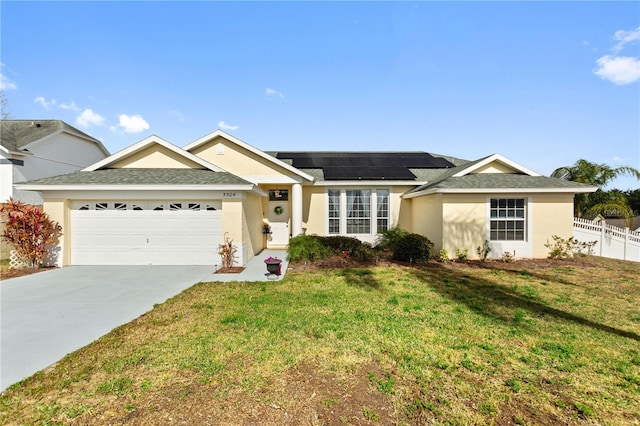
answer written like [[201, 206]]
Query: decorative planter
[[274, 267]]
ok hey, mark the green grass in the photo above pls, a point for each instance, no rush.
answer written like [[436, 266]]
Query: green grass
[[459, 344]]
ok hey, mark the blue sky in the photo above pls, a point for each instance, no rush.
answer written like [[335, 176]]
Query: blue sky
[[542, 83]]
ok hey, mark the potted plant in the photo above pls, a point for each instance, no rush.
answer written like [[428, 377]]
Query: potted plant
[[266, 229], [274, 265]]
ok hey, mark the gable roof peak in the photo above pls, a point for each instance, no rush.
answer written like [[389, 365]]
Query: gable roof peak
[[221, 133], [475, 165], [145, 143]]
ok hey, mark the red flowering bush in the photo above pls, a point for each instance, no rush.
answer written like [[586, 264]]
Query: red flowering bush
[[29, 230]]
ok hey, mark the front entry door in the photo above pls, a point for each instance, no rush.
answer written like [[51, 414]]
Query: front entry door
[[279, 216]]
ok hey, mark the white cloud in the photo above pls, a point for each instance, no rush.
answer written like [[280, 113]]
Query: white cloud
[[625, 37], [273, 92], [225, 126], [44, 103], [70, 106], [89, 118], [618, 69], [5, 82], [177, 114], [131, 124]]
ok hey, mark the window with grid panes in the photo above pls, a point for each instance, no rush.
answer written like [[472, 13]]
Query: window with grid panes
[[508, 218], [334, 211], [358, 211], [382, 196]]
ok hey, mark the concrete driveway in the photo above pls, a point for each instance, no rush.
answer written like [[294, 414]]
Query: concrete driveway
[[50, 314]]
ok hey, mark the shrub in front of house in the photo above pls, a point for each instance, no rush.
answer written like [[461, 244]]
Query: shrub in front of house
[[339, 244], [412, 248], [365, 252], [306, 247], [388, 239]]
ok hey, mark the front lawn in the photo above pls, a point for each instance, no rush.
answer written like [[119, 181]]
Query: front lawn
[[545, 342]]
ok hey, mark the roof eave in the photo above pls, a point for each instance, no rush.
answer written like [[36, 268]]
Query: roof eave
[[430, 191], [377, 182], [138, 187]]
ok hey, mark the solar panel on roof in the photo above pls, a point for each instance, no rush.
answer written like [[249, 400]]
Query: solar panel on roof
[[368, 173], [365, 165]]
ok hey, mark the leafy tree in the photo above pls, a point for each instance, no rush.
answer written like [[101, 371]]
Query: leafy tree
[[608, 204], [29, 230], [633, 197]]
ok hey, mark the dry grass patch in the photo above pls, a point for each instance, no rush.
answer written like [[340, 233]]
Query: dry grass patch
[[543, 342]]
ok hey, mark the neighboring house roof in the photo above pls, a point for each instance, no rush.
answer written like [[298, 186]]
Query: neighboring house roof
[[133, 176], [17, 135], [346, 165], [622, 223]]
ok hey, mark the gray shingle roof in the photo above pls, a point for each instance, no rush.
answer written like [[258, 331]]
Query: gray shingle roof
[[499, 181], [143, 177], [14, 134]]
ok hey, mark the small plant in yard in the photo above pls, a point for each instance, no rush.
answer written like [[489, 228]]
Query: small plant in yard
[[483, 250], [29, 230], [563, 249], [508, 257], [462, 254], [227, 252], [370, 415], [444, 256], [384, 385]]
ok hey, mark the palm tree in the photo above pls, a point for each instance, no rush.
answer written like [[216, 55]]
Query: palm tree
[[608, 204]]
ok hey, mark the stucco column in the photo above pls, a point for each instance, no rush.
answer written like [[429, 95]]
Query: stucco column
[[296, 209]]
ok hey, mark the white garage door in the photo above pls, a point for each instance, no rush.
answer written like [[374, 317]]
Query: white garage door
[[146, 233]]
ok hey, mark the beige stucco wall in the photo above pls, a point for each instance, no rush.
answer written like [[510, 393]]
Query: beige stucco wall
[[232, 220], [156, 156], [58, 211], [314, 209], [464, 222], [252, 225], [236, 159], [427, 218], [242, 222], [494, 167], [552, 214]]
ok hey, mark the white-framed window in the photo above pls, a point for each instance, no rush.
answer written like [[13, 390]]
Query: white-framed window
[[334, 211], [508, 219], [358, 211], [382, 211]]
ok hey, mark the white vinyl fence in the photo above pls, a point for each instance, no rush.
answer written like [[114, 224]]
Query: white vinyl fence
[[611, 241]]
